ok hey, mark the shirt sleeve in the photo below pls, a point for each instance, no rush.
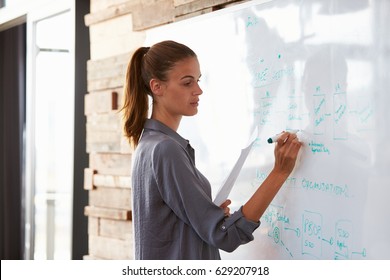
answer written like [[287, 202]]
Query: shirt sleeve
[[181, 189]]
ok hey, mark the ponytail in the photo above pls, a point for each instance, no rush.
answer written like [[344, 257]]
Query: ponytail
[[136, 101]]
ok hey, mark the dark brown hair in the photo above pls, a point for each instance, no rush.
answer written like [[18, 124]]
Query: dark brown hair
[[146, 64]]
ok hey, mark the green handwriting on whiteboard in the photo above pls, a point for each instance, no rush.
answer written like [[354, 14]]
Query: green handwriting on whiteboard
[[325, 187], [317, 147], [266, 76], [251, 21], [310, 230]]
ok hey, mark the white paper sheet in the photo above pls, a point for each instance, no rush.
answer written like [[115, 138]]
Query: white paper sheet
[[227, 186]]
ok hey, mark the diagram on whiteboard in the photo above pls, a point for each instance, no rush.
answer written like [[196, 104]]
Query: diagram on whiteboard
[[320, 67]]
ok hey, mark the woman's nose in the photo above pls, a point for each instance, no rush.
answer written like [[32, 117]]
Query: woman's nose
[[198, 91]]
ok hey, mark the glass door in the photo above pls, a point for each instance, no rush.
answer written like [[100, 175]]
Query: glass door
[[50, 133]]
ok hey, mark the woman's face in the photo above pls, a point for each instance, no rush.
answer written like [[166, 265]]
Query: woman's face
[[180, 93]]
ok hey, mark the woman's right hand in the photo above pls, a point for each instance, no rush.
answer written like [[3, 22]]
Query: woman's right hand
[[286, 152]]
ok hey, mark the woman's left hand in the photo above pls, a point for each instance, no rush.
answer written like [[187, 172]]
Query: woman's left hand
[[225, 207]]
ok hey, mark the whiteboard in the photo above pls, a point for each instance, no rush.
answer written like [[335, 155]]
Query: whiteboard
[[319, 66]]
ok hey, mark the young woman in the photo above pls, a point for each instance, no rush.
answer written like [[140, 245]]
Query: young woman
[[173, 213]]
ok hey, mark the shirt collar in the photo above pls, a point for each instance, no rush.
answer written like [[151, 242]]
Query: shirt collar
[[159, 126]]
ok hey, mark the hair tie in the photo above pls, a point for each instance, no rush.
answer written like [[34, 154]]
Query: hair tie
[[146, 49]]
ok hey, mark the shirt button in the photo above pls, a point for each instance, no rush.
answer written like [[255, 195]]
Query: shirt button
[[223, 227]]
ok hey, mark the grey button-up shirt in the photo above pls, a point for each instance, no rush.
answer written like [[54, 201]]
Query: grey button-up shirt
[[173, 213]]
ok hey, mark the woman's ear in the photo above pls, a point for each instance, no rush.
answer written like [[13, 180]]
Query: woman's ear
[[156, 86]]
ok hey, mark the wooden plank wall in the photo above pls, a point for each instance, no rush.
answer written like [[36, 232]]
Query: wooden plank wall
[[117, 28]]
